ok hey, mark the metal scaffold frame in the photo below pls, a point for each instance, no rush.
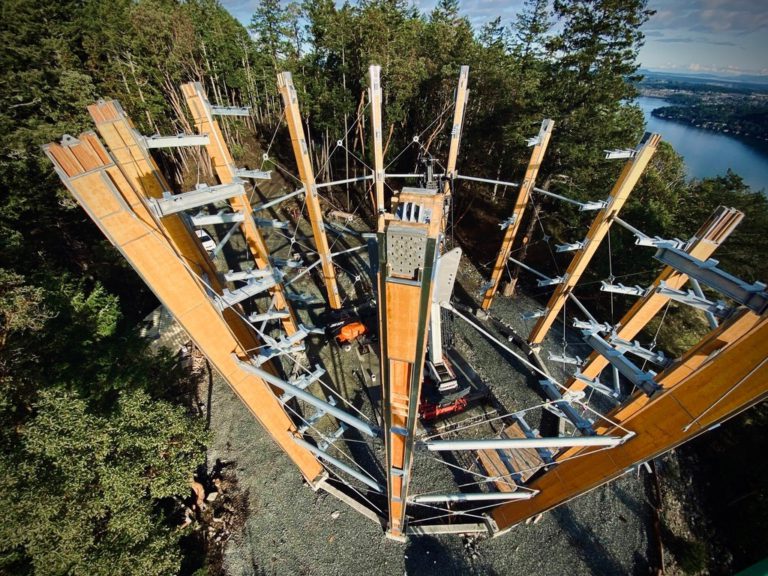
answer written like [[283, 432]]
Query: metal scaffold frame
[[122, 189], [227, 172]]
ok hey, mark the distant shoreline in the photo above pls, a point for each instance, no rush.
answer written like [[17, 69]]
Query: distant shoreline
[[755, 141], [711, 127]]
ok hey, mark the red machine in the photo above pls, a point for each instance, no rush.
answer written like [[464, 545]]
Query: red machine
[[350, 331], [429, 412]]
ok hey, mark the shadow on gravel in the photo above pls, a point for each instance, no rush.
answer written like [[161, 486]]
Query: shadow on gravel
[[586, 544], [426, 555]]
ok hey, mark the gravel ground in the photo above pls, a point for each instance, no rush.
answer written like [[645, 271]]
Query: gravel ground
[[292, 530]]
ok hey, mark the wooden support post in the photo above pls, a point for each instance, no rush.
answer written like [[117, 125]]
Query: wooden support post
[[226, 169], [709, 237], [407, 257], [458, 121], [629, 176], [109, 196], [374, 95], [143, 174], [307, 176], [537, 156], [699, 391]]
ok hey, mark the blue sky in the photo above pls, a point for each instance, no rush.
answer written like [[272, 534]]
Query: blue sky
[[693, 36]]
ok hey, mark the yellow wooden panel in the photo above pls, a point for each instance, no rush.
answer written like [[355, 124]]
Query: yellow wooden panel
[[402, 314], [397, 446]]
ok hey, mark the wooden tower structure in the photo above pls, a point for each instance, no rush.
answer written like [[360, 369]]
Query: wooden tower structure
[[243, 320]]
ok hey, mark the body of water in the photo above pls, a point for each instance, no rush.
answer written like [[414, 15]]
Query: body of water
[[709, 153]]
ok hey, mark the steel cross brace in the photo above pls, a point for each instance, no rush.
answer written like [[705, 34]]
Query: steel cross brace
[[230, 111], [690, 298], [596, 385], [753, 296], [172, 204], [643, 380], [303, 382], [636, 349], [565, 359], [178, 141], [231, 297], [621, 289], [566, 409], [221, 217]]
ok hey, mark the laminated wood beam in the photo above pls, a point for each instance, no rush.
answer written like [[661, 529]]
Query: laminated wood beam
[[537, 156], [629, 176], [458, 121], [726, 373], [709, 237], [226, 170], [408, 253], [307, 176], [374, 96], [141, 171], [110, 199]]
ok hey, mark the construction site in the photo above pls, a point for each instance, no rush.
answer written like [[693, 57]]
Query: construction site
[[425, 393]]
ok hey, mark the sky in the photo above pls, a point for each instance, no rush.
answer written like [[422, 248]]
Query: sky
[[728, 37]]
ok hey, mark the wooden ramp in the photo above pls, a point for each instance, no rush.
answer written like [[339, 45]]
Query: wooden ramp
[[513, 466]]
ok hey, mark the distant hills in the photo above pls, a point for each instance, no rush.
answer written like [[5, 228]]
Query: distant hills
[[726, 80]]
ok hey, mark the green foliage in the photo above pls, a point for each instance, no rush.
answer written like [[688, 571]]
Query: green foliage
[[79, 491], [92, 445], [742, 255]]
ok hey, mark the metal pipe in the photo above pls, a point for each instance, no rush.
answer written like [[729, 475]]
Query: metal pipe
[[696, 287], [582, 307], [346, 181], [534, 271], [638, 234], [495, 340], [338, 463], [227, 238], [266, 205], [355, 249], [303, 272], [473, 497], [337, 413], [522, 443], [583, 205], [388, 175], [487, 180]]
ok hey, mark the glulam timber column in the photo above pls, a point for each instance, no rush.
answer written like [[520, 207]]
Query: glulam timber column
[[537, 157], [163, 258], [307, 176], [225, 169], [408, 250], [374, 96], [459, 109], [726, 373], [709, 237], [629, 176]]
